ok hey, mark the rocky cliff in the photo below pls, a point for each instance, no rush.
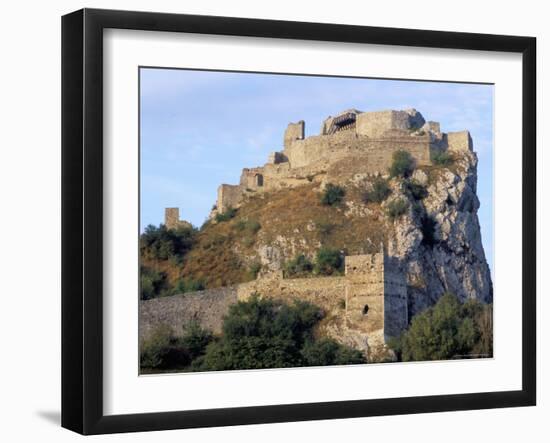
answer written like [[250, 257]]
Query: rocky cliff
[[439, 241]]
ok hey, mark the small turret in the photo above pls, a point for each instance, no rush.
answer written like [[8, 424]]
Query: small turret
[[172, 219]]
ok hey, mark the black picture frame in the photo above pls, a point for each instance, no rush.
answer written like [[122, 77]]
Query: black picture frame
[[82, 218]]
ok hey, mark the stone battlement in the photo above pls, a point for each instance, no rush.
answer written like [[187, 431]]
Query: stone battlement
[[370, 138]]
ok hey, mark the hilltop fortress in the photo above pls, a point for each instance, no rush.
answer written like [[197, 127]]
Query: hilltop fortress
[[433, 248], [348, 142]]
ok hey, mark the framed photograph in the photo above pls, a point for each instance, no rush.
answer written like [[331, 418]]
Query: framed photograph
[[269, 221]]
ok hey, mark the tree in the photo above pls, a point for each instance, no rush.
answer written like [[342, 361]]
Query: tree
[[447, 330], [162, 243], [263, 333]]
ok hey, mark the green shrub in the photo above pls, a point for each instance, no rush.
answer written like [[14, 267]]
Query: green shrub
[[262, 333], [164, 351], [162, 243], [298, 266], [154, 349], [447, 330], [152, 283], [332, 195], [441, 158], [195, 339], [227, 215], [251, 226], [402, 164], [379, 192], [188, 285], [397, 208], [326, 352], [417, 190], [328, 261]]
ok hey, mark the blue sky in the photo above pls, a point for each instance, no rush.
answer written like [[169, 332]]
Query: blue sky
[[199, 129]]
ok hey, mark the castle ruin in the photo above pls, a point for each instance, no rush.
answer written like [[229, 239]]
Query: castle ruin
[[172, 219], [373, 301], [366, 140]]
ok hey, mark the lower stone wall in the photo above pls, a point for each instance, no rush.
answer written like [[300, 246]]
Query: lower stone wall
[[370, 301], [205, 307], [325, 292]]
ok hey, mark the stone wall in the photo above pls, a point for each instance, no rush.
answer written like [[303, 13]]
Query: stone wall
[[377, 124], [373, 292], [205, 307], [375, 151], [325, 292]]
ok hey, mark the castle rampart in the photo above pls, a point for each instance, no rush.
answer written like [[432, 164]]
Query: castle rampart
[[368, 139]]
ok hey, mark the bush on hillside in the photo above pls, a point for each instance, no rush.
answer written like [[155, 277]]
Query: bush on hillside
[[251, 226], [165, 351], [227, 215], [402, 164], [329, 261], [397, 208], [299, 266], [379, 191], [162, 243], [188, 285], [152, 283], [332, 195], [441, 158]]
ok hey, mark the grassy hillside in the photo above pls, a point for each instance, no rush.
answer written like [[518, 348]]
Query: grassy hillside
[[287, 223], [227, 252]]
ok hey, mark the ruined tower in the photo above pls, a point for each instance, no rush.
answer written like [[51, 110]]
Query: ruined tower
[[172, 219], [376, 297]]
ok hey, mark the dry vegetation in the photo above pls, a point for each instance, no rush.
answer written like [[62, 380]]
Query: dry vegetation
[[226, 253]]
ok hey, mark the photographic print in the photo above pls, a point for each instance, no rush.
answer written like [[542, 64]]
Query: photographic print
[[296, 220]]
